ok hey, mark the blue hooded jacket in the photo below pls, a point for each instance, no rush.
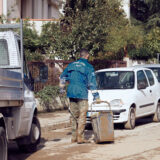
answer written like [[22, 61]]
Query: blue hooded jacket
[[81, 77]]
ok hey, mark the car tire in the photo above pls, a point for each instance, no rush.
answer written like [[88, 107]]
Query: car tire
[[33, 139], [156, 116], [130, 124], [3, 145]]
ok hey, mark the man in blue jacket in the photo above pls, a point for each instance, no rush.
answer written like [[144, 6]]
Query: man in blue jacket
[[81, 77]]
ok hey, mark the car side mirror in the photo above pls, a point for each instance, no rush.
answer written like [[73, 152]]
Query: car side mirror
[[142, 85], [29, 81]]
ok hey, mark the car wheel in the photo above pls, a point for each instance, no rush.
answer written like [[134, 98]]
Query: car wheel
[[3, 144], [130, 124], [33, 139], [156, 116]]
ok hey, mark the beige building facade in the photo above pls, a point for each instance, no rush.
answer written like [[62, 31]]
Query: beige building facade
[[32, 9]]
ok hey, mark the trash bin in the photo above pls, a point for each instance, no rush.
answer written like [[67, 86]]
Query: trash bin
[[102, 124]]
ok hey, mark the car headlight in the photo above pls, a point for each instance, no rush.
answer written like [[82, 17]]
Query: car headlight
[[116, 103]]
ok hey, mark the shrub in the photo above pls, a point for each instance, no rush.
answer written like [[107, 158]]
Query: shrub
[[140, 54], [47, 94]]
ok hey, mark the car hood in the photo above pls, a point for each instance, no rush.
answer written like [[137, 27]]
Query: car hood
[[109, 95]]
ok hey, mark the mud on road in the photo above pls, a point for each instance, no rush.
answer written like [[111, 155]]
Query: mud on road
[[142, 143]]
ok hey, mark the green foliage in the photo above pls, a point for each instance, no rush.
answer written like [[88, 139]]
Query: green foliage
[[34, 56], [147, 11], [124, 36], [152, 41], [32, 42], [56, 42], [87, 24], [147, 15], [47, 94], [149, 48], [139, 54]]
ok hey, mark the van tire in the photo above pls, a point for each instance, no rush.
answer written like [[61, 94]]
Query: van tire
[[156, 116], [33, 139], [130, 124], [3, 144]]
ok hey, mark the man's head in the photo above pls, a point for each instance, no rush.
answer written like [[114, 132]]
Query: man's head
[[84, 54]]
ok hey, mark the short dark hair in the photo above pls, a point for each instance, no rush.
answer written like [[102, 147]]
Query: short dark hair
[[83, 52]]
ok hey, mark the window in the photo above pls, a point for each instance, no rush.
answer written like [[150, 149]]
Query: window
[[43, 73], [156, 72], [4, 55], [150, 77], [115, 80], [141, 78]]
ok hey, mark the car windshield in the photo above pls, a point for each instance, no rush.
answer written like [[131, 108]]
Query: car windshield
[[115, 80], [156, 72]]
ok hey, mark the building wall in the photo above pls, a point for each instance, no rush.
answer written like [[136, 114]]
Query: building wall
[[40, 9], [34, 9], [14, 8], [1, 7]]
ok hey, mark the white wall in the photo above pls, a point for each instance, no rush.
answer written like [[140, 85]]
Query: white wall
[[131, 62], [4, 7], [126, 7]]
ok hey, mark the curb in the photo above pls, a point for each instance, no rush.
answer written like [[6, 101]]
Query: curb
[[56, 126]]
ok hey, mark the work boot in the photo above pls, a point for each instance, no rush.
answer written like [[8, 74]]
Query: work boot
[[73, 140], [82, 140]]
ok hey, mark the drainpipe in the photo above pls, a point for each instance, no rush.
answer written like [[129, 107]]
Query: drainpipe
[[4, 8]]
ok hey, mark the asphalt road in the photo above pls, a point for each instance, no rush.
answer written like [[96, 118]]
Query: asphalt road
[[142, 143]]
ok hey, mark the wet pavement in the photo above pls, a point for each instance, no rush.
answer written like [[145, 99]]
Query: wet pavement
[[142, 143]]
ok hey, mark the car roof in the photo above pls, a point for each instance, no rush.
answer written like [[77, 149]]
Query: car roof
[[148, 65], [122, 69]]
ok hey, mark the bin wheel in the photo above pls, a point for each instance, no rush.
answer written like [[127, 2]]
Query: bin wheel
[[3, 144], [156, 116], [33, 139], [130, 124]]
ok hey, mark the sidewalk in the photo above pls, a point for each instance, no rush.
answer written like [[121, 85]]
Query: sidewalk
[[54, 120]]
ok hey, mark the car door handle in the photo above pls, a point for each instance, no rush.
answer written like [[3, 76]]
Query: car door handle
[[150, 91]]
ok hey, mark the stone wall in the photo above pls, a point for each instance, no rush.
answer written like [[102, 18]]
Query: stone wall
[[57, 104]]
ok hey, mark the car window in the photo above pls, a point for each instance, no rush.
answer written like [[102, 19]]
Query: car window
[[156, 72], [150, 77], [141, 78], [4, 54], [115, 80]]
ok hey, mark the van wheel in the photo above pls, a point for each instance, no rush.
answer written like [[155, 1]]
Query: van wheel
[[130, 124], [156, 116], [3, 144], [32, 140]]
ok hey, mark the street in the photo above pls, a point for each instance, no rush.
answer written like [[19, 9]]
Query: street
[[142, 143]]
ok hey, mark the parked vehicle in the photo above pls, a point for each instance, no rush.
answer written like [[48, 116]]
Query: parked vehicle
[[154, 67], [18, 112], [132, 93]]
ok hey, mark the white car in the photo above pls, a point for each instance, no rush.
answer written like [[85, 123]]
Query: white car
[[132, 93], [154, 67]]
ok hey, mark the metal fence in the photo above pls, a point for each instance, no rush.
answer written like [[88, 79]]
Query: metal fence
[[48, 72]]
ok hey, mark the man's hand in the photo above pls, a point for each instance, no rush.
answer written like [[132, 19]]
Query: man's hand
[[98, 100], [95, 96]]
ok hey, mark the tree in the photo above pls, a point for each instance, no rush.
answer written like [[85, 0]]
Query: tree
[[86, 24], [146, 11], [152, 41], [33, 48]]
